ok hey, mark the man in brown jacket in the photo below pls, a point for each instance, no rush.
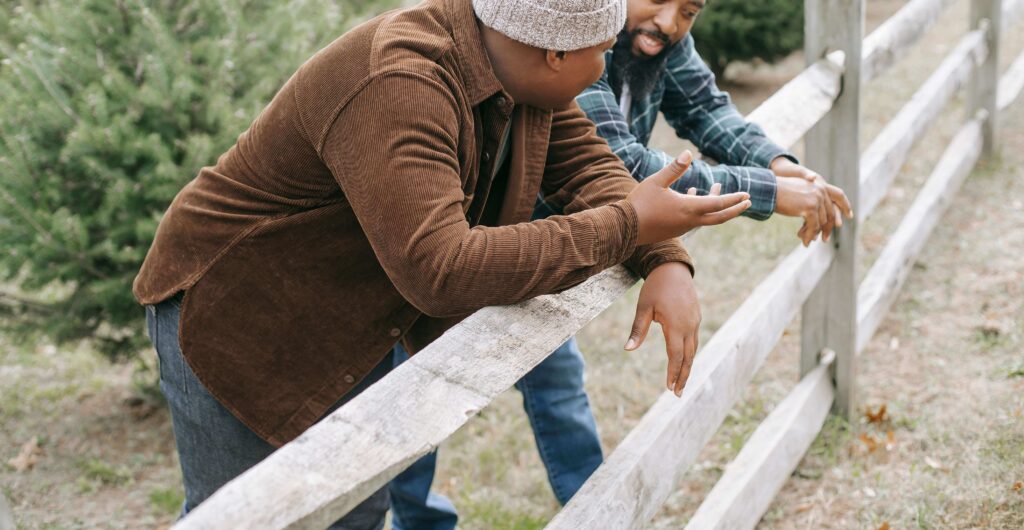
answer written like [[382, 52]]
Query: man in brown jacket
[[383, 195]]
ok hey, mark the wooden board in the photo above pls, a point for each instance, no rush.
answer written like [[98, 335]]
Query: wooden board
[[1011, 84], [887, 153], [828, 317], [983, 87], [337, 463], [444, 387], [629, 488], [745, 491], [750, 482], [1013, 10], [898, 34], [883, 282], [789, 113]]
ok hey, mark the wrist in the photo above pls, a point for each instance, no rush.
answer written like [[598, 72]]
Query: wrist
[[672, 268], [780, 162]]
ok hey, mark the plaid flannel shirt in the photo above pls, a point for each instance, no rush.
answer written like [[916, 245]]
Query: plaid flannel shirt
[[699, 112]]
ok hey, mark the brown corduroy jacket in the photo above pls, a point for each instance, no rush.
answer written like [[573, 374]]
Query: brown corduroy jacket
[[347, 216]]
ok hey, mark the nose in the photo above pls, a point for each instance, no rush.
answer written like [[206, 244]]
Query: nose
[[667, 19]]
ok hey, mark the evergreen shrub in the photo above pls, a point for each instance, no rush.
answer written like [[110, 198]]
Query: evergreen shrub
[[107, 108], [744, 30]]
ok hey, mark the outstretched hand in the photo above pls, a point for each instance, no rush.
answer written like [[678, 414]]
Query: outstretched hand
[[669, 298], [663, 213]]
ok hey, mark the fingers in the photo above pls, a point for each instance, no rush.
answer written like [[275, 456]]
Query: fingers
[[838, 214], [673, 170], [719, 217], [838, 196], [691, 191], [826, 212], [716, 189], [689, 351], [641, 324], [675, 347], [714, 203]]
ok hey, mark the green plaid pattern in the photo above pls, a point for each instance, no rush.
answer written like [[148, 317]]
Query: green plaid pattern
[[699, 112]]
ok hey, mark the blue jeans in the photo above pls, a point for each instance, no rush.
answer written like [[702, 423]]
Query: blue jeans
[[563, 427], [213, 446]]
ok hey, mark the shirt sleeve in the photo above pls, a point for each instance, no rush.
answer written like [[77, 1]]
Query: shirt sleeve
[[599, 103], [583, 173], [401, 177], [700, 112]]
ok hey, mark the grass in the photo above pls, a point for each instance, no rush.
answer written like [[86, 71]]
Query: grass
[[166, 500], [98, 472], [947, 362]]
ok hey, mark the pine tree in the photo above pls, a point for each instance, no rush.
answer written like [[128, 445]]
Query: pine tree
[[741, 30], [107, 108]]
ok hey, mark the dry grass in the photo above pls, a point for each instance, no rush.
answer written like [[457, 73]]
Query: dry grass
[[948, 363]]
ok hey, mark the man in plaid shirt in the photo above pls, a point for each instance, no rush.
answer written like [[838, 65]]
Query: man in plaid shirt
[[653, 67]]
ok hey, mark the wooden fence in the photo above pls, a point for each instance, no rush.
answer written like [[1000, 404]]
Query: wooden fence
[[337, 463]]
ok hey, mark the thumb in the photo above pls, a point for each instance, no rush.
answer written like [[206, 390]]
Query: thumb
[[641, 323], [673, 170]]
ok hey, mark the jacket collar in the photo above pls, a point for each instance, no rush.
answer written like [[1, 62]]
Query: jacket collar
[[481, 82]]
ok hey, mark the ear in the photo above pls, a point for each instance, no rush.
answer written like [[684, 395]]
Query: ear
[[555, 60]]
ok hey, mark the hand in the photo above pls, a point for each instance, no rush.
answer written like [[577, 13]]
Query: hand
[[664, 214], [796, 197], [669, 298], [829, 215]]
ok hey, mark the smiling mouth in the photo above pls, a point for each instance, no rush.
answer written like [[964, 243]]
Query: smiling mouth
[[649, 44]]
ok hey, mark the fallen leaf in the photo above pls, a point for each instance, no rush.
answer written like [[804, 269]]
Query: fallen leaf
[[890, 441], [935, 464], [1017, 486], [876, 417], [28, 456], [804, 507], [885, 526], [869, 441]]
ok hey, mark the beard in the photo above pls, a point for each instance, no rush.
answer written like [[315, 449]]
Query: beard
[[640, 72]]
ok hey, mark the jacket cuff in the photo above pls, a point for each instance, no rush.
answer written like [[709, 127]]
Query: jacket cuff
[[623, 221], [646, 258]]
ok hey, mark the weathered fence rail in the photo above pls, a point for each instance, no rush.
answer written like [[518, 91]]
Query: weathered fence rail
[[338, 462]]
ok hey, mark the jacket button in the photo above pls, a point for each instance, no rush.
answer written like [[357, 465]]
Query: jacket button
[[500, 100], [349, 379], [486, 157], [395, 332]]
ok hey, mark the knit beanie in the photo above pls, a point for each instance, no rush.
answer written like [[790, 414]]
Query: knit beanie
[[560, 25]]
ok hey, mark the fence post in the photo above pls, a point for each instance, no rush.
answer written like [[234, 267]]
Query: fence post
[[829, 316], [983, 87]]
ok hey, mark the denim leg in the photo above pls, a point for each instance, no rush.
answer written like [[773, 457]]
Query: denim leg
[[213, 446], [563, 424], [413, 506]]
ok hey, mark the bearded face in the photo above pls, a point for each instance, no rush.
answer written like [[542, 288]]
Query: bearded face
[[639, 59]]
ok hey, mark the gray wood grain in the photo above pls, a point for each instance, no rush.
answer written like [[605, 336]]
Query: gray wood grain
[[898, 34], [745, 491], [983, 87], [1011, 84], [885, 156], [629, 488], [883, 282], [833, 149]]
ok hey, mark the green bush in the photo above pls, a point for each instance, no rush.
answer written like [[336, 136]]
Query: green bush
[[108, 108], [741, 30]]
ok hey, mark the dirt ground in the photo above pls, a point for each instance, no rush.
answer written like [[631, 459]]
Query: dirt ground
[[947, 363]]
